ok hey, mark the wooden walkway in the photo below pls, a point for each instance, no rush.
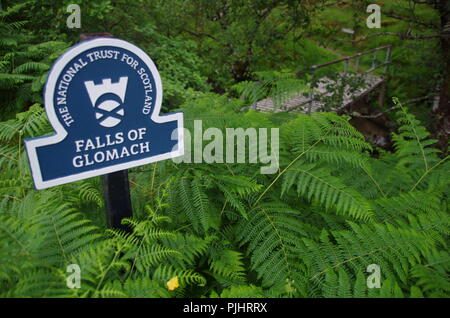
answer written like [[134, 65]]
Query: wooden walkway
[[313, 101]]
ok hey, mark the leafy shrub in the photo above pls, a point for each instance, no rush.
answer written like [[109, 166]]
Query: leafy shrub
[[221, 230]]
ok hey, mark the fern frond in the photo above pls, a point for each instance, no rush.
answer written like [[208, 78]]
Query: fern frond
[[242, 291], [271, 233], [412, 142], [228, 264], [316, 183], [434, 276], [66, 232], [186, 276], [142, 287], [367, 244], [31, 67]]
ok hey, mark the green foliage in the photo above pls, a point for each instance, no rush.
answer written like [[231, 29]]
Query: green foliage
[[219, 229], [272, 232], [178, 63], [279, 86], [24, 62]]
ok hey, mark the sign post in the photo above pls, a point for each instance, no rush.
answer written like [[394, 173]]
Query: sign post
[[116, 187], [116, 191], [103, 99]]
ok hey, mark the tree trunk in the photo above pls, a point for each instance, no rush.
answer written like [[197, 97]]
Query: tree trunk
[[443, 110]]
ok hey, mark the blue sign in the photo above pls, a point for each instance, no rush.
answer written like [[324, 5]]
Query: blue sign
[[103, 99]]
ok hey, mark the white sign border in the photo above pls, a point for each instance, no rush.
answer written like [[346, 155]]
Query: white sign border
[[61, 133]]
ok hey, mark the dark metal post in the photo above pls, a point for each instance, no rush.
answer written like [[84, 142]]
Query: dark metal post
[[116, 188], [374, 60], [346, 66], [387, 61], [311, 93], [116, 191], [357, 64]]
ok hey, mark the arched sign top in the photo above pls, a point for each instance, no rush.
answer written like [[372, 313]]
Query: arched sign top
[[103, 99]]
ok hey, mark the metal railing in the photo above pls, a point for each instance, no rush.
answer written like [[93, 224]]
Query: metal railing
[[357, 56], [346, 60]]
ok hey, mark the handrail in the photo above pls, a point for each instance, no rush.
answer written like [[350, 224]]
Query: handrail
[[347, 58]]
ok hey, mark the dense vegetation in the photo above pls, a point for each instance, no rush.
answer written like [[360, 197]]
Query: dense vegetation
[[337, 204]]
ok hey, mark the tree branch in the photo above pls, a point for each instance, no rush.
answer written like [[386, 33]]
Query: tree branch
[[399, 17], [199, 35], [411, 101], [402, 36], [430, 2]]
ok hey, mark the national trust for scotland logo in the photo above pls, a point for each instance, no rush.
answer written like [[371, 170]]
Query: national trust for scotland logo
[[107, 98]]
